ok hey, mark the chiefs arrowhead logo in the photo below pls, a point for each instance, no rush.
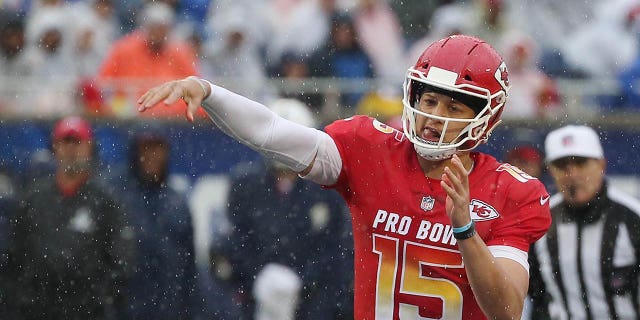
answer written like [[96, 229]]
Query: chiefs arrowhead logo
[[481, 211], [502, 75]]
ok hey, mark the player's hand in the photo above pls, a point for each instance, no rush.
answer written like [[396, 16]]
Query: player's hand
[[190, 89], [455, 181]]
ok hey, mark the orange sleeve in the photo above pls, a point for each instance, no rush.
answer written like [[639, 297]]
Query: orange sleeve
[[108, 68], [186, 60]]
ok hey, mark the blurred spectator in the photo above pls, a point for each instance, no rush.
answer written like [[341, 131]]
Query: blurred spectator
[[96, 29], [551, 23], [300, 27], [489, 20], [70, 253], [40, 13], [164, 283], [54, 69], [232, 54], [533, 94], [378, 31], [604, 45], [343, 58], [222, 12], [143, 58], [292, 231], [294, 70], [452, 17], [13, 62]]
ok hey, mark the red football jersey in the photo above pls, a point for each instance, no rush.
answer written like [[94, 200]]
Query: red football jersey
[[407, 262]]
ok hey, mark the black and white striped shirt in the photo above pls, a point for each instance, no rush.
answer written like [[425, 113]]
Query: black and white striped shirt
[[589, 259]]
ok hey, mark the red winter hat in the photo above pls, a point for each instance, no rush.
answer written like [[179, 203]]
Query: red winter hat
[[74, 127]]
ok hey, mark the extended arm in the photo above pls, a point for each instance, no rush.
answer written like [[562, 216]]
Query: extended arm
[[308, 151], [499, 283]]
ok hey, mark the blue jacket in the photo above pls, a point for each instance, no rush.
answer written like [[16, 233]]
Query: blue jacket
[[164, 285], [307, 230]]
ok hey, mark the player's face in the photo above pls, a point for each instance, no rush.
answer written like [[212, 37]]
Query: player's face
[[579, 179], [441, 105]]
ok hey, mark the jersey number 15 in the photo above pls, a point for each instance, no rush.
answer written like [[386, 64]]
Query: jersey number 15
[[411, 282]]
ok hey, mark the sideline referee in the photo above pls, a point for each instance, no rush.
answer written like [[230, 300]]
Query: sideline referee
[[587, 265]]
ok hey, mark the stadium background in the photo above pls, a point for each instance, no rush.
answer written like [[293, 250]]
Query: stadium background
[[202, 156]]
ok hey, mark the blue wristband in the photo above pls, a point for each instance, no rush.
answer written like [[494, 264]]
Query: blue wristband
[[463, 228], [465, 232]]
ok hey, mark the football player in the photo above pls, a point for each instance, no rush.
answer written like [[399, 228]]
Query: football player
[[440, 231]]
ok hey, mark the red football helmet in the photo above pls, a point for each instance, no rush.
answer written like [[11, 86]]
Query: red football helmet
[[468, 70]]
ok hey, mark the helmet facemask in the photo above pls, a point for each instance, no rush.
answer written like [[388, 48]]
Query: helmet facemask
[[476, 130]]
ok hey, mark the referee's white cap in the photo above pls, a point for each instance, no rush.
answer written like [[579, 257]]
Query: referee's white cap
[[573, 140]]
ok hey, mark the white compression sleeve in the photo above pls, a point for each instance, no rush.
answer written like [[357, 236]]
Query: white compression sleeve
[[328, 164], [257, 127]]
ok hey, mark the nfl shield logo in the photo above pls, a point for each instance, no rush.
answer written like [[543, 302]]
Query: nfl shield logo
[[427, 203]]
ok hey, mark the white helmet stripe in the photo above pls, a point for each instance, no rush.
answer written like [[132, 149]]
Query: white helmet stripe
[[442, 76]]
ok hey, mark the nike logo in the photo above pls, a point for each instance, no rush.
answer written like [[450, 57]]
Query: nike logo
[[543, 200]]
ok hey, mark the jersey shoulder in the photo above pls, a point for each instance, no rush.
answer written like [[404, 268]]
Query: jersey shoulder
[[520, 200], [361, 129], [510, 181]]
